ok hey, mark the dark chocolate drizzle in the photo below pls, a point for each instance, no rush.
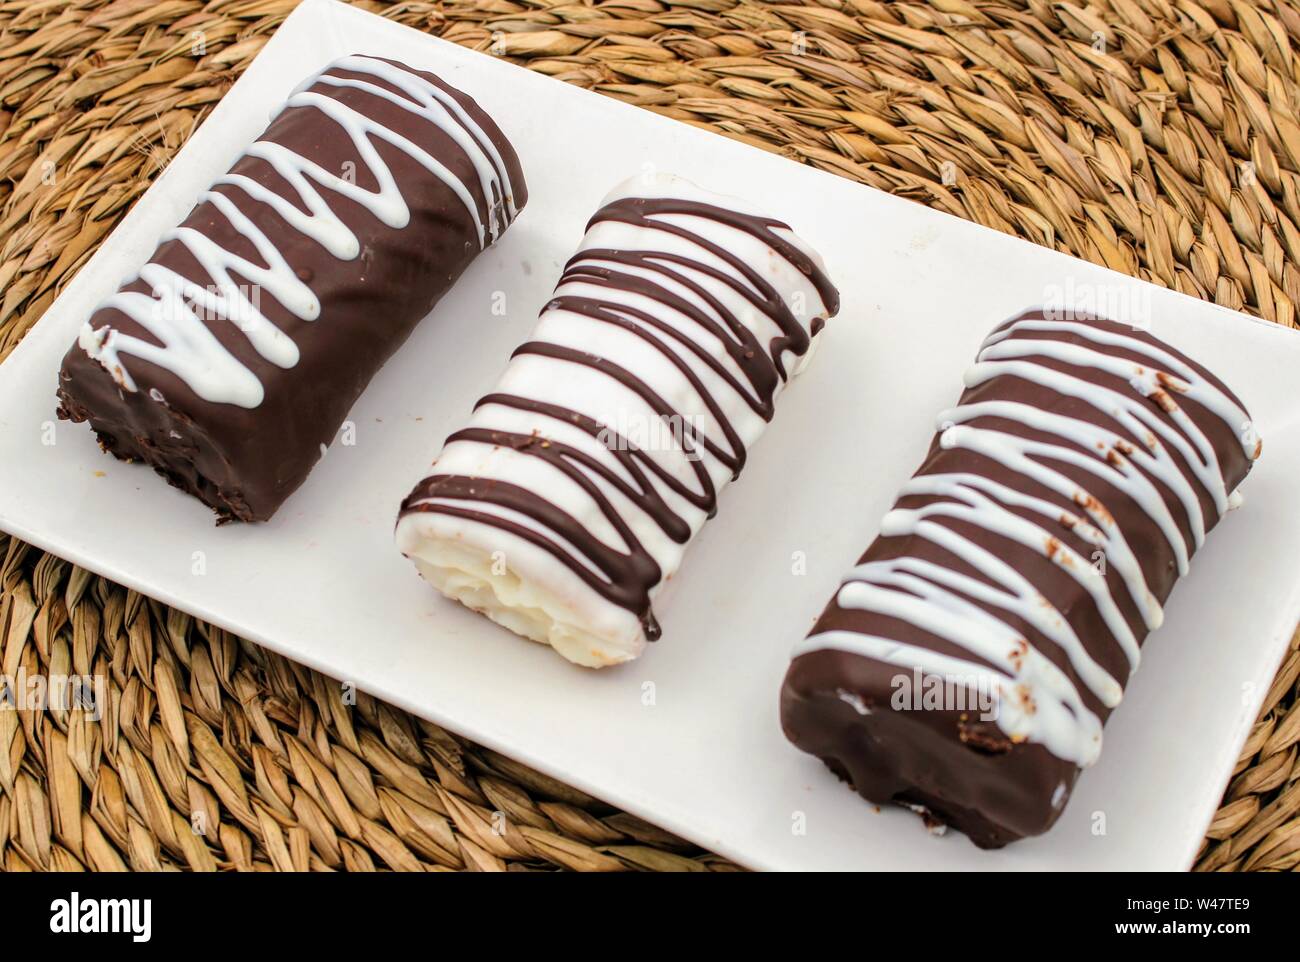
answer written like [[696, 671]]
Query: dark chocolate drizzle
[[626, 578]]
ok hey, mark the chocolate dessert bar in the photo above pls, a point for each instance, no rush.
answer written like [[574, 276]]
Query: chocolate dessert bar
[[568, 500], [966, 665], [230, 360]]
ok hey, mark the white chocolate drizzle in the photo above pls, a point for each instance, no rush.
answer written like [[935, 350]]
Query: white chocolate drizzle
[[1037, 701], [186, 345]]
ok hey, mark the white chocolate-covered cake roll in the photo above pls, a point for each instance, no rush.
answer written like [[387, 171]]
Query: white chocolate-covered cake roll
[[570, 498]]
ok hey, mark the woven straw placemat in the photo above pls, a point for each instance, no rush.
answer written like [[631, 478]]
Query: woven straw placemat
[[1157, 137]]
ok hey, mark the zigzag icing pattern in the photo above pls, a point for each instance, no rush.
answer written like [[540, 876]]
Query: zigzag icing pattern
[[179, 312]]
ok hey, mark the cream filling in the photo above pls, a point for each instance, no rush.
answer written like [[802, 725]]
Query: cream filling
[[470, 574]]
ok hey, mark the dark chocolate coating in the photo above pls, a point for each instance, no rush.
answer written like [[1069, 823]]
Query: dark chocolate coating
[[965, 771], [245, 462]]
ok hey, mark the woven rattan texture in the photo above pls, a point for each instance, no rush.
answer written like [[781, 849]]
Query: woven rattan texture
[[1157, 137]]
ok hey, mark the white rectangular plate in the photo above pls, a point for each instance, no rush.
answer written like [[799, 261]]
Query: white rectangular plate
[[704, 757]]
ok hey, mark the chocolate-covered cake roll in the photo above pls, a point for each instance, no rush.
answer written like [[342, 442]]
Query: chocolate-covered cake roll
[[567, 502], [230, 361], [966, 665]]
